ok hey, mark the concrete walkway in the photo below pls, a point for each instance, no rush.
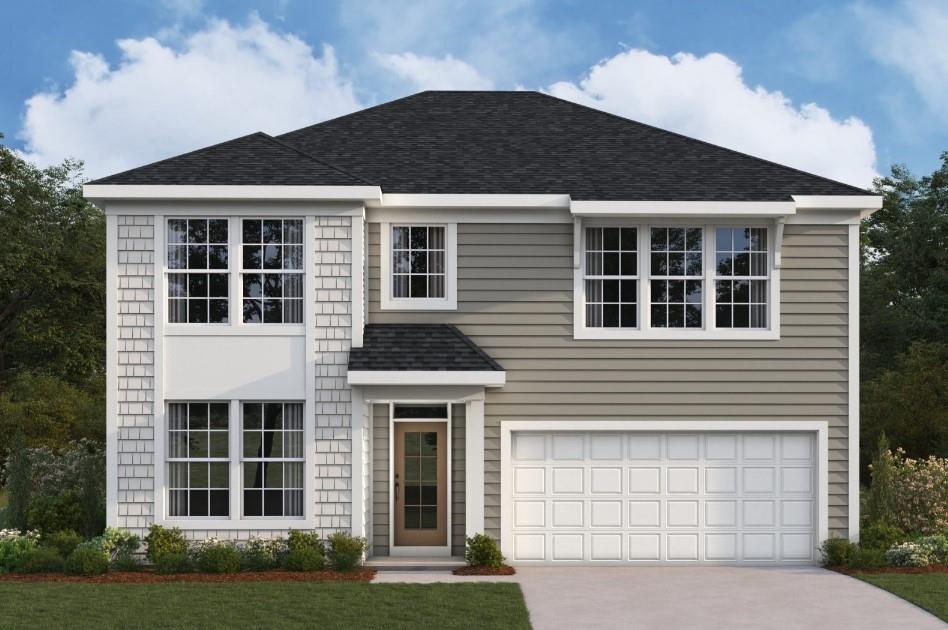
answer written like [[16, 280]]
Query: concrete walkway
[[729, 598]]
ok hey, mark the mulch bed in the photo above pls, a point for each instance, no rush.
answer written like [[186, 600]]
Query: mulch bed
[[504, 570], [149, 577], [935, 568]]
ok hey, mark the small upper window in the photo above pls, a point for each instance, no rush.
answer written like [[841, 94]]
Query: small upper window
[[197, 286], [272, 271], [741, 277], [676, 277], [418, 261]]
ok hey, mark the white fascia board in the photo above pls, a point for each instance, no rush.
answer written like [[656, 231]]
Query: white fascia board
[[310, 193], [760, 209], [485, 378], [399, 200], [837, 202]]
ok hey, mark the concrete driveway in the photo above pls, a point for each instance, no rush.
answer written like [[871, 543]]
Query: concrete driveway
[[711, 597]]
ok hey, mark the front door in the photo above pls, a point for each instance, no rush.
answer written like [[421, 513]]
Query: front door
[[421, 484]]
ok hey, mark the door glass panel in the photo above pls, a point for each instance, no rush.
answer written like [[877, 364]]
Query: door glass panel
[[421, 480]]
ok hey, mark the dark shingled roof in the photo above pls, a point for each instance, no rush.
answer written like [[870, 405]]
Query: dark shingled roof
[[418, 347], [504, 142], [257, 159]]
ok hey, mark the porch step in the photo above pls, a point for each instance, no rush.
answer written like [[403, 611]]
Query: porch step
[[414, 563]]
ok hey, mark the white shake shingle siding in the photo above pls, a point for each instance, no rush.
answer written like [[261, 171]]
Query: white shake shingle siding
[[515, 301]]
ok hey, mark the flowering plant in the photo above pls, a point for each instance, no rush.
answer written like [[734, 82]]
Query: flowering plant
[[918, 492]]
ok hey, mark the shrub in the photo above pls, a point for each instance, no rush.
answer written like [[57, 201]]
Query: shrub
[[836, 551], [39, 560], [54, 513], [881, 486], [345, 551], [215, 556], [880, 536], [937, 547], [305, 559], [482, 551], [161, 541], [126, 562], [173, 562], [116, 542], [64, 541], [13, 546], [87, 559], [867, 558], [919, 492], [909, 554], [258, 554], [299, 539]]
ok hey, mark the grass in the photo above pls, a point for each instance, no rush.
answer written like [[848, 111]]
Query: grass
[[925, 590], [262, 604]]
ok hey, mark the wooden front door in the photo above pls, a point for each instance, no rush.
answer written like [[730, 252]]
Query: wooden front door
[[421, 484]]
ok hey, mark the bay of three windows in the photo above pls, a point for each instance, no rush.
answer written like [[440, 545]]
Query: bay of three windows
[[672, 280], [198, 261], [270, 458]]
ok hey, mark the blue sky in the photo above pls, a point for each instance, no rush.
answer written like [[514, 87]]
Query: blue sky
[[839, 88]]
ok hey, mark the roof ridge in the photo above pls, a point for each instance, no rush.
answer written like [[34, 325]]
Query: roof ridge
[[473, 346], [863, 191], [315, 159]]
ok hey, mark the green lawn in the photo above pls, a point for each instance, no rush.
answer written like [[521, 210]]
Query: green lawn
[[262, 604], [926, 590]]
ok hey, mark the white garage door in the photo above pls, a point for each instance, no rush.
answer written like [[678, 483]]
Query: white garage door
[[663, 497]]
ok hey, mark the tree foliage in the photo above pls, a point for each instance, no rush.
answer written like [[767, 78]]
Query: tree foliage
[[904, 315]]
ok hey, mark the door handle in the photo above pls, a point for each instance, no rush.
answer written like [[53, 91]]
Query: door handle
[[396, 491]]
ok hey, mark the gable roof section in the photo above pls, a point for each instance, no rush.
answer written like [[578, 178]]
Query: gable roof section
[[253, 160], [494, 143], [419, 347]]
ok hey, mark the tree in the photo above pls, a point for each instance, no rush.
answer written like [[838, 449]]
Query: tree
[[52, 273]]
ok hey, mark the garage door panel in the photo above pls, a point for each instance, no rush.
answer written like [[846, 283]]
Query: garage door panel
[[663, 497]]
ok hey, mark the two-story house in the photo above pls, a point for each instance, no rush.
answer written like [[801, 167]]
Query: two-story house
[[597, 341]]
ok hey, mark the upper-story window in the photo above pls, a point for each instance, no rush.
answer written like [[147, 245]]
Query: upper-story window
[[198, 271], [419, 266], [676, 281], [272, 271], [741, 276]]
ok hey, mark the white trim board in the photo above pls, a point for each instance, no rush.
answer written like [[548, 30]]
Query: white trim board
[[163, 191], [111, 369], [819, 427], [484, 378], [852, 366], [758, 209], [837, 202]]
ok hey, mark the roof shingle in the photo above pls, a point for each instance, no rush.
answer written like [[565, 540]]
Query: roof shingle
[[418, 347]]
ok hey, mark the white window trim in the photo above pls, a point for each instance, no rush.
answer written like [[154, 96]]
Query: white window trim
[[235, 326], [820, 428], [238, 223], [285, 460], [644, 330], [450, 300]]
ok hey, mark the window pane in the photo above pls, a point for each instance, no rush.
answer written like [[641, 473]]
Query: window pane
[[197, 256], [177, 475], [292, 256], [436, 238], [197, 416], [272, 257], [272, 231], [253, 442], [293, 285], [610, 239], [251, 230], [273, 416], [400, 238], [177, 311], [197, 503], [218, 475], [197, 230], [178, 503], [659, 239], [218, 444], [177, 230], [419, 237], [253, 311], [293, 311], [400, 286], [273, 475], [253, 474], [197, 475], [253, 285], [177, 256], [253, 503], [253, 257], [273, 503], [419, 262], [273, 285], [419, 287], [436, 286], [217, 231], [217, 284], [219, 503], [293, 231]]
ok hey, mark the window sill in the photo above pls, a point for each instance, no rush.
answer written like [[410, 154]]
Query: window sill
[[234, 330], [418, 305], [680, 335], [249, 523]]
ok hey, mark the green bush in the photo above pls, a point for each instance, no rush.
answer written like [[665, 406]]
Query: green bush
[[909, 554], [115, 542], [63, 541], [305, 559], [258, 554], [39, 560], [345, 551], [937, 547], [126, 562], [483, 551], [299, 539], [87, 559], [161, 541], [54, 513], [880, 536], [13, 546], [217, 557], [173, 562], [866, 558], [836, 551]]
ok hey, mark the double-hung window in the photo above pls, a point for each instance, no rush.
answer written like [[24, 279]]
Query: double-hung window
[[272, 271], [272, 459], [197, 261], [198, 459], [681, 280], [418, 261]]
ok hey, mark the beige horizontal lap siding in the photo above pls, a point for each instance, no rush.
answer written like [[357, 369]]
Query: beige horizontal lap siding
[[515, 300], [457, 479]]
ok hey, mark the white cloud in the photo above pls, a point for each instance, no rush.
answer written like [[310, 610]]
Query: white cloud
[[431, 73], [913, 39], [183, 8], [220, 82], [707, 98]]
